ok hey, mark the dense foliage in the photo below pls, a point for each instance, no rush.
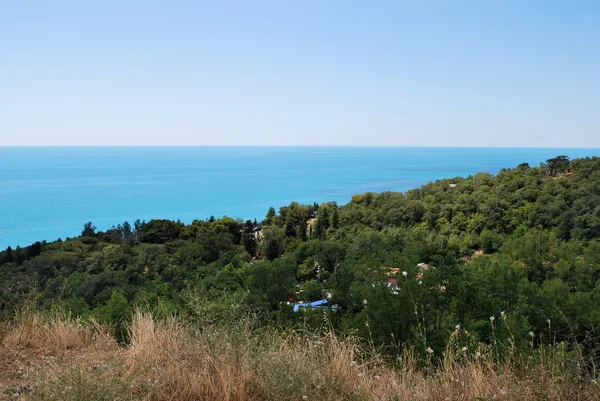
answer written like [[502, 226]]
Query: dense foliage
[[510, 258]]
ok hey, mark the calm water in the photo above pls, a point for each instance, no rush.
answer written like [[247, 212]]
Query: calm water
[[49, 193]]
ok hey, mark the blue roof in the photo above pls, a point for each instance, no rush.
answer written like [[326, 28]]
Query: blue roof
[[320, 304]]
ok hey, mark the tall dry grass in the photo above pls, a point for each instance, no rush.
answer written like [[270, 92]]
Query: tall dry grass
[[56, 333], [174, 359], [187, 364]]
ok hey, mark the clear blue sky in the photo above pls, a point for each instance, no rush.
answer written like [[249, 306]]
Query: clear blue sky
[[414, 73]]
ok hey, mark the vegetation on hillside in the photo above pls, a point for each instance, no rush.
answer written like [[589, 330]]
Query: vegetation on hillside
[[510, 262]]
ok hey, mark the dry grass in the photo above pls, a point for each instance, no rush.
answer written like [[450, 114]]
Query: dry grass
[[188, 365], [34, 344], [51, 335], [56, 334], [172, 359]]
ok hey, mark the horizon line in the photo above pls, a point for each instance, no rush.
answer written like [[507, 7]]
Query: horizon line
[[299, 146]]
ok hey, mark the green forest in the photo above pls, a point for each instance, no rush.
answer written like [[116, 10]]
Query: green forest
[[511, 258]]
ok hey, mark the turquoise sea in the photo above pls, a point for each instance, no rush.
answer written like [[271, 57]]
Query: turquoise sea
[[48, 193]]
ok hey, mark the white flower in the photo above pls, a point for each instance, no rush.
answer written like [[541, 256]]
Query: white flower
[[492, 318], [457, 327], [531, 334], [364, 301], [464, 349], [420, 282], [443, 288], [405, 274], [429, 351]]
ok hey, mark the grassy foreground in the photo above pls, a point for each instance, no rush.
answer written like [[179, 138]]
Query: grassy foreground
[[61, 358]]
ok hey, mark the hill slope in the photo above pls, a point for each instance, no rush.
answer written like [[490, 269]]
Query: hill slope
[[523, 244]]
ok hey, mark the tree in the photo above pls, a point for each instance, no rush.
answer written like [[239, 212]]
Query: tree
[[312, 290], [89, 230], [272, 242], [160, 231], [323, 217], [249, 238], [126, 231], [6, 256], [270, 214], [273, 282], [557, 165], [318, 231], [290, 230], [302, 230], [335, 219]]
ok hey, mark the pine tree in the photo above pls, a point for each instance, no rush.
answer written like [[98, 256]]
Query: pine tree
[[335, 219]]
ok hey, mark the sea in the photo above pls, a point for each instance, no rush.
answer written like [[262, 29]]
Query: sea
[[47, 193]]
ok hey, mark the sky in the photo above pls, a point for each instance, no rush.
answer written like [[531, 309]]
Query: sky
[[353, 73]]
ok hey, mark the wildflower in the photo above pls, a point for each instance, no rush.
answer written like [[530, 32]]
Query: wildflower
[[429, 351], [492, 318], [420, 276], [420, 282], [443, 288], [405, 274], [531, 334], [364, 301], [464, 349], [457, 327]]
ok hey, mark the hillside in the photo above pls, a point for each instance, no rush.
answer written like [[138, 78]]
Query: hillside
[[505, 265]]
